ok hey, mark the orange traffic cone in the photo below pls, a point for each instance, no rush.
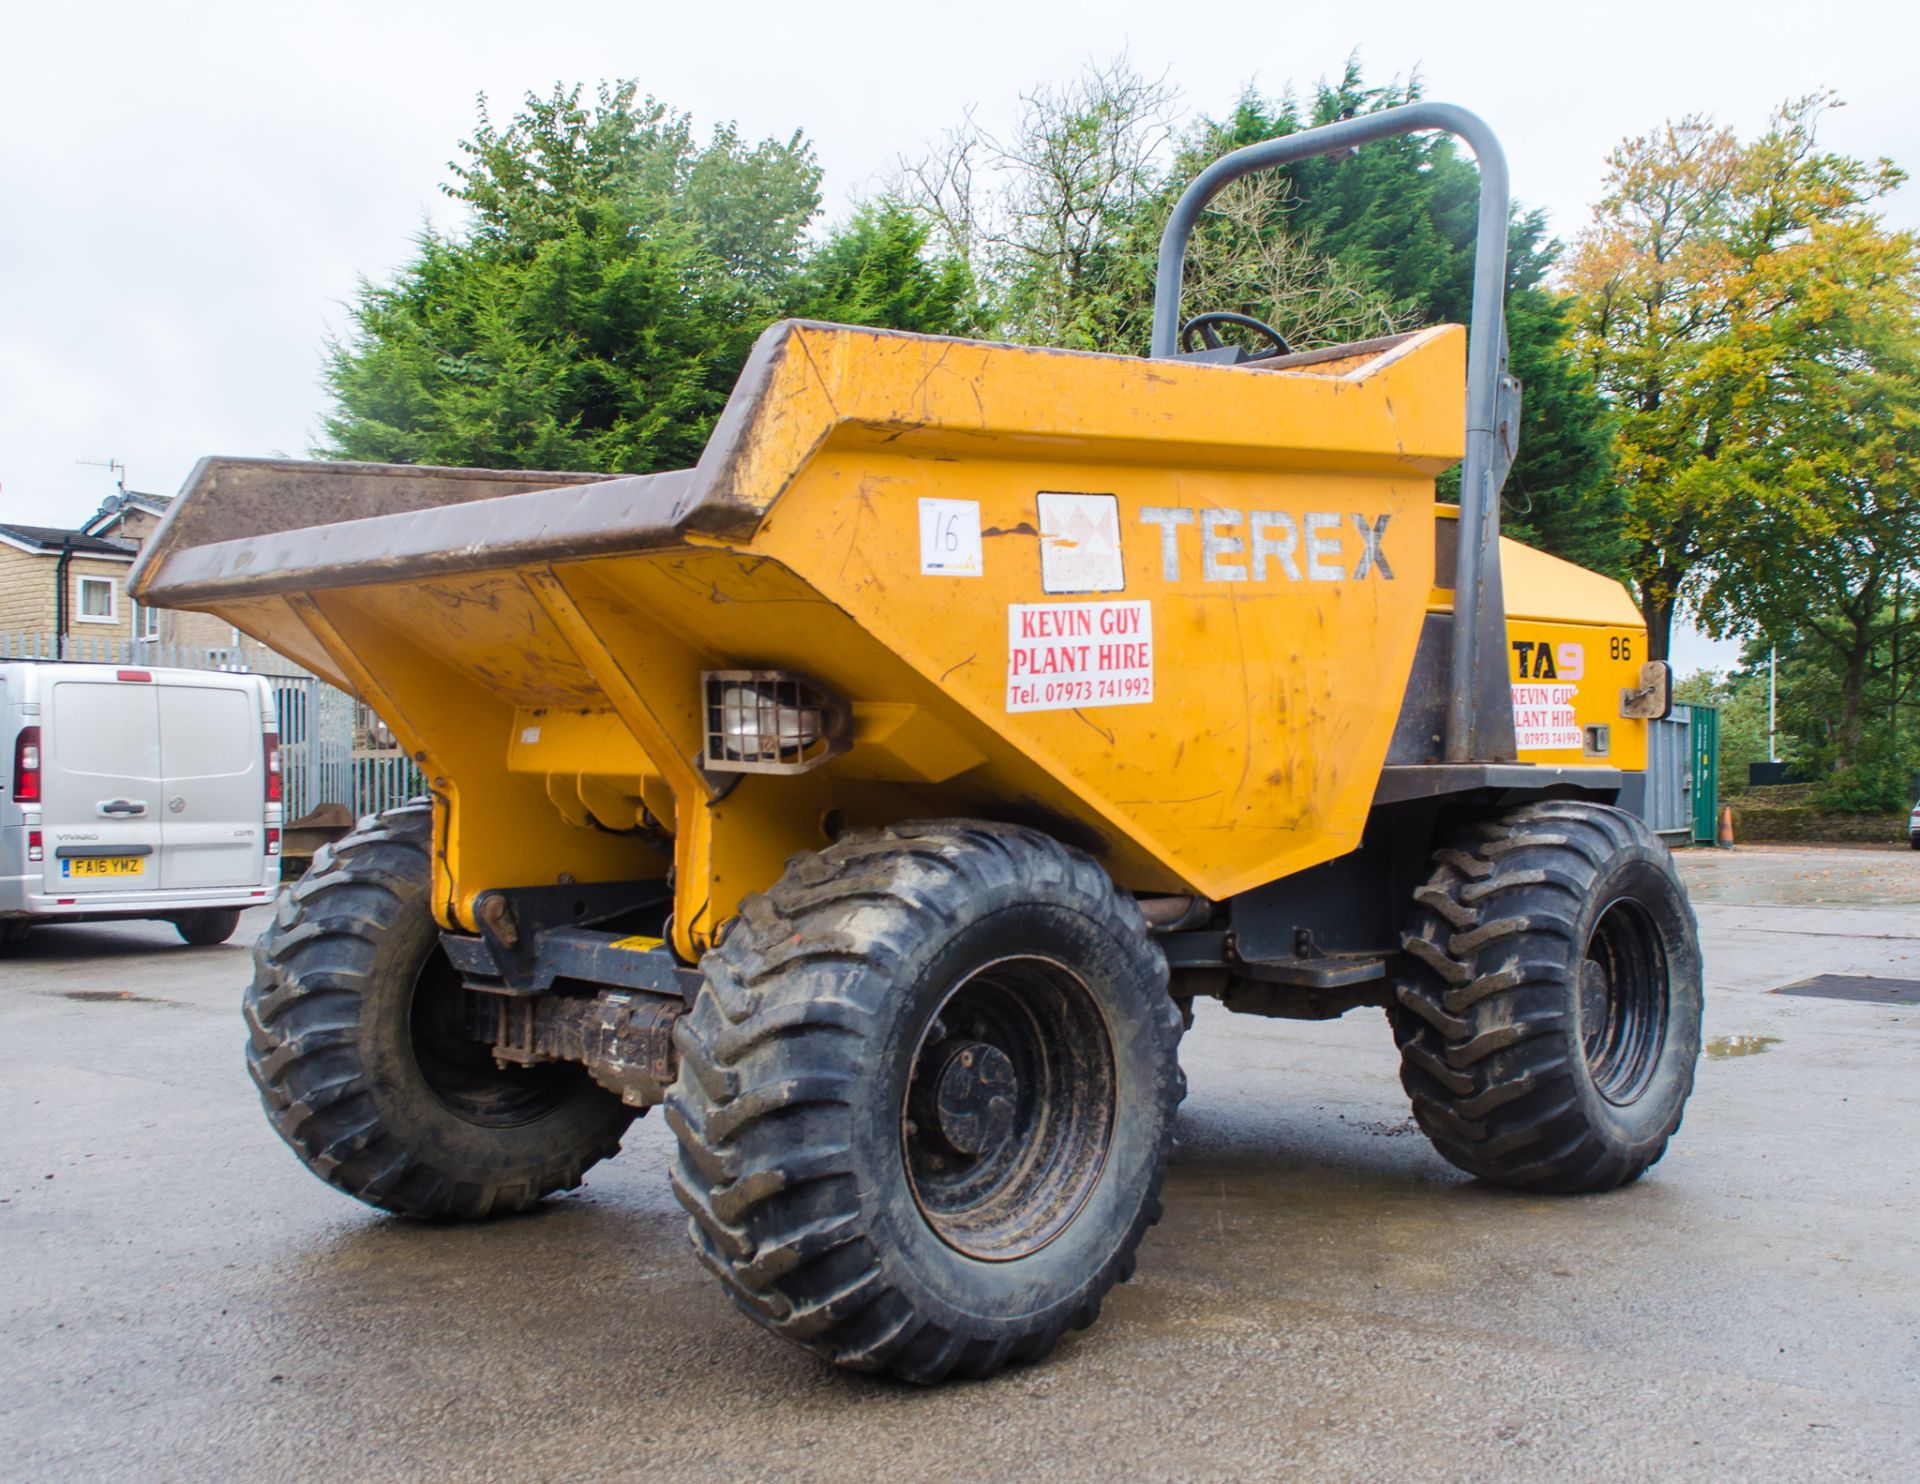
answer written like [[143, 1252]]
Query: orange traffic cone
[[1726, 826]]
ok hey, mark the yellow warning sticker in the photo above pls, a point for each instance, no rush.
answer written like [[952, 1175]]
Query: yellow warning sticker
[[639, 943]]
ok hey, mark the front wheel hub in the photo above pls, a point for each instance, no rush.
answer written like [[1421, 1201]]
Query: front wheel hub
[[1623, 1004], [1010, 1107], [976, 1096]]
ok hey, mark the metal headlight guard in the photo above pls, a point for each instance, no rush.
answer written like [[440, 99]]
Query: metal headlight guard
[[771, 721]]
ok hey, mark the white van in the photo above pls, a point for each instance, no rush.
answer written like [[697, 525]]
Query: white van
[[130, 792]]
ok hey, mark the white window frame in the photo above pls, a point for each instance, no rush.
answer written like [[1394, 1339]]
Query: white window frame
[[80, 614], [146, 620]]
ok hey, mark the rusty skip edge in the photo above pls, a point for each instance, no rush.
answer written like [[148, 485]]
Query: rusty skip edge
[[259, 527], [396, 522], [631, 514]]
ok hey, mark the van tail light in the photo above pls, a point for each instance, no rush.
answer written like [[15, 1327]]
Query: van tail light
[[273, 767], [273, 840], [26, 766], [36, 848]]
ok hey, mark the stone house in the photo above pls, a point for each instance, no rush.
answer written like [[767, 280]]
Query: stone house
[[56, 581], [65, 590], [73, 583], [132, 517]]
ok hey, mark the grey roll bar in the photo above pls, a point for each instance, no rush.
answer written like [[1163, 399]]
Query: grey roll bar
[[1476, 729]]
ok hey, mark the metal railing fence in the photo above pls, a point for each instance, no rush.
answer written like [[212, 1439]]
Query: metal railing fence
[[320, 726], [239, 659]]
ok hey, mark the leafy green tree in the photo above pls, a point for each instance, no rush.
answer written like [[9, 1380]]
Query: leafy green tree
[[603, 350], [594, 310], [1726, 294], [1740, 696], [1400, 211], [1829, 509], [1882, 756], [1051, 216], [1063, 226], [1814, 677], [1815, 387], [751, 206], [558, 162], [1560, 494], [878, 270], [1400, 216]]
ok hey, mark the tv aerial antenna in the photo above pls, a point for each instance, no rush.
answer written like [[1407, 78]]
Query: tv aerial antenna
[[118, 469]]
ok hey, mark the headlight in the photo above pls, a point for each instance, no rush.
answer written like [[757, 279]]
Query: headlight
[[770, 721]]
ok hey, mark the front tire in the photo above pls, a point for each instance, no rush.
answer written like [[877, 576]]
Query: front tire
[[206, 928], [1549, 1010], [359, 1058], [925, 1099]]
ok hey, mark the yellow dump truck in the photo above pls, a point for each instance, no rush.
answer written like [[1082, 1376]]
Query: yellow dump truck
[[879, 795]]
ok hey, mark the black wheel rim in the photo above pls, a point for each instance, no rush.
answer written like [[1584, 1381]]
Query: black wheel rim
[[1623, 1001], [459, 1067], [1010, 1108]]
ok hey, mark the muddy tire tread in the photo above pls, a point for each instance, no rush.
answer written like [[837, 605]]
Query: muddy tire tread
[[312, 978], [1480, 1007], [765, 1082]]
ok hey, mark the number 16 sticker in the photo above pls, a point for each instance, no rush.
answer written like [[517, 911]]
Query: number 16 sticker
[[950, 538]]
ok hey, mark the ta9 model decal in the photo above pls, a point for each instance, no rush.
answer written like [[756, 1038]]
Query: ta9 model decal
[[1537, 659], [1546, 697]]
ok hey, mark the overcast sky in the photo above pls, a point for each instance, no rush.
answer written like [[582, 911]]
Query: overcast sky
[[188, 192]]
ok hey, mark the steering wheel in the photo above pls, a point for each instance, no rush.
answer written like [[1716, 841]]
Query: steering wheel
[[1204, 323]]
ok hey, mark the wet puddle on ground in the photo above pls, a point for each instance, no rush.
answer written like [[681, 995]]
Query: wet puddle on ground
[[1722, 1047], [108, 996]]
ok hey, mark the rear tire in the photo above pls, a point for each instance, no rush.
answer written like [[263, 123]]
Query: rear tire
[[925, 1099], [206, 928], [1549, 1005], [359, 1060]]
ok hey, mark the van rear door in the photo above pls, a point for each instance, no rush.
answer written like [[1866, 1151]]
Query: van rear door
[[213, 772], [100, 776]]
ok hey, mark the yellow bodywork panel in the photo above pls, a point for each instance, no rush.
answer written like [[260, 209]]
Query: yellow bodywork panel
[[1166, 611], [1575, 642], [1214, 728]]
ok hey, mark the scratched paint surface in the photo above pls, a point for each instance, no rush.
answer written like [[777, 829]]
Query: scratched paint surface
[[1273, 699], [1275, 539], [1278, 527]]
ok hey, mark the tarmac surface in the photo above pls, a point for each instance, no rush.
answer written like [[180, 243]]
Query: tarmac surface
[[1326, 1298]]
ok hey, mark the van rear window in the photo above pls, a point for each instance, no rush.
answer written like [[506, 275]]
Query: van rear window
[[207, 733], [103, 730]]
